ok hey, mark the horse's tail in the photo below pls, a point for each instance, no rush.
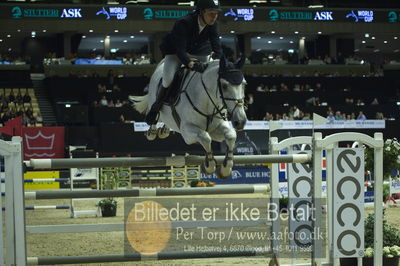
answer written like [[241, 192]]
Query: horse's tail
[[139, 103]]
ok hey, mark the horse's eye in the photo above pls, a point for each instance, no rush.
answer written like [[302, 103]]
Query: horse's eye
[[225, 86]]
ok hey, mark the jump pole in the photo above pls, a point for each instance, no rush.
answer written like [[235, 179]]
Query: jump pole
[[36, 180], [49, 207], [150, 192], [176, 161], [138, 257]]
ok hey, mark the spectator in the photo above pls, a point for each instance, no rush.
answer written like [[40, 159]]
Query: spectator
[[11, 97], [307, 116], [260, 87], [121, 119], [268, 117], [26, 98], [110, 103], [118, 103], [19, 98], [25, 120], [361, 116], [330, 117], [296, 87], [3, 99], [313, 101], [38, 117], [338, 116], [360, 102], [29, 112], [101, 88], [296, 113], [116, 88], [103, 101], [379, 116], [349, 101]]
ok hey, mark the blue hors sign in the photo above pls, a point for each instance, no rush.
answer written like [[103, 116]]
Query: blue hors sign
[[120, 13], [246, 13], [361, 15]]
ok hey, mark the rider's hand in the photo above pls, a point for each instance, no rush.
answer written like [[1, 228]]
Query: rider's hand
[[191, 64], [199, 67]]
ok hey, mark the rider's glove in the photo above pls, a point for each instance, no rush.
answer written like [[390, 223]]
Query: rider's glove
[[199, 67]]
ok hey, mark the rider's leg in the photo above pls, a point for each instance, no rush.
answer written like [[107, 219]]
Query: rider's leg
[[171, 63]]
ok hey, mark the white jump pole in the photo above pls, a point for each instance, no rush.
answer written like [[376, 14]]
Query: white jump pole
[[150, 192], [160, 161], [275, 148]]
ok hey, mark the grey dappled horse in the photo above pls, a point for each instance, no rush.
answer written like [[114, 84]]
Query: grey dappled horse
[[205, 100]]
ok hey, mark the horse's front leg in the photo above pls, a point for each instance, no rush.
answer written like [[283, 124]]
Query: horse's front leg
[[193, 134], [225, 132], [151, 133]]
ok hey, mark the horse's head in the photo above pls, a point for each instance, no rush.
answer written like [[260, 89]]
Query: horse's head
[[231, 86]]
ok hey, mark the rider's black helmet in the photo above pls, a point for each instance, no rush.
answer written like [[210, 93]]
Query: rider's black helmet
[[208, 4]]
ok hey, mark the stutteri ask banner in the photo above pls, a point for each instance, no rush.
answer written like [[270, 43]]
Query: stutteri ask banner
[[43, 142]]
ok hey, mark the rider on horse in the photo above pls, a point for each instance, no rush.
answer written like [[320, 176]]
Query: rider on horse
[[190, 37]]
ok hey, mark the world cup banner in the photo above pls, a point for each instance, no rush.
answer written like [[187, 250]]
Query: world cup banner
[[43, 142]]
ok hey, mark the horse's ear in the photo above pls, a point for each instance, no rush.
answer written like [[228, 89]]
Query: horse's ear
[[222, 63], [240, 62]]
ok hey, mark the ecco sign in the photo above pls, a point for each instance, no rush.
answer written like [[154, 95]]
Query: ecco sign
[[348, 202]]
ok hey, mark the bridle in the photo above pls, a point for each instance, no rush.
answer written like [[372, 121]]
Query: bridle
[[217, 110], [238, 102]]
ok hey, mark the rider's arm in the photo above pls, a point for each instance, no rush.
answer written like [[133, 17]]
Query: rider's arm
[[180, 33]]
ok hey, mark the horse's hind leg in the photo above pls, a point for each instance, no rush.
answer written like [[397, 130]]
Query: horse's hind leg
[[224, 132], [192, 134]]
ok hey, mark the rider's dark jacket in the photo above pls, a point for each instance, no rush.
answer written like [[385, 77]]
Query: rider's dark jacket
[[185, 38]]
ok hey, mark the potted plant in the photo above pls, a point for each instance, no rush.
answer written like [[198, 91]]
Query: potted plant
[[109, 179], [283, 204], [391, 160], [201, 183], [391, 157], [108, 207], [391, 243]]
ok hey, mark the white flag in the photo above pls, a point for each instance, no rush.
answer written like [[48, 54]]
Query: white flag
[[274, 126], [318, 120]]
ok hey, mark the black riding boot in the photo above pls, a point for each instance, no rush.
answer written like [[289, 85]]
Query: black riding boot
[[151, 117]]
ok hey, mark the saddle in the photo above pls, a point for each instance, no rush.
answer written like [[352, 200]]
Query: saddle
[[174, 90]]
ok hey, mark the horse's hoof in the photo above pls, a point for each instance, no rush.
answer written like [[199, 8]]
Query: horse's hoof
[[223, 173], [210, 168], [150, 135], [163, 132]]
